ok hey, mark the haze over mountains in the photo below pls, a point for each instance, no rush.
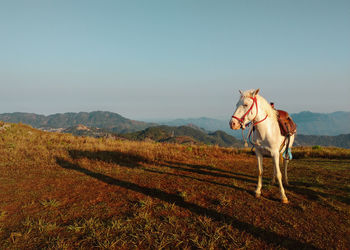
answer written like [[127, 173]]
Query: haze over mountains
[[313, 128], [308, 123]]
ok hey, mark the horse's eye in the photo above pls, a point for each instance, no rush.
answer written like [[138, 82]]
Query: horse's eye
[[245, 105]]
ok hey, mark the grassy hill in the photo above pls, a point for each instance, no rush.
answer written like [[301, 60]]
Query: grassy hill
[[64, 192], [177, 134], [81, 130]]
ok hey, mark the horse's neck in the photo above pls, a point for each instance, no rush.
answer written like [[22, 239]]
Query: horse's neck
[[267, 130]]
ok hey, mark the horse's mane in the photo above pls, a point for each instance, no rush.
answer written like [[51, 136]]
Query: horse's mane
[[263, 104], [266, 106]]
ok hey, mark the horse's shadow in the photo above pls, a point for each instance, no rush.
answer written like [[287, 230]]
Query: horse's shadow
[[297, 187], [133, 161], [115, 157], [203, 169], [130, 160]]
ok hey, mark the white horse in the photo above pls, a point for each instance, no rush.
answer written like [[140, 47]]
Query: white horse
[[267, 137]]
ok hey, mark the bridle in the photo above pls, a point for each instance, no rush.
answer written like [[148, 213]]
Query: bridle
[[241, 120]]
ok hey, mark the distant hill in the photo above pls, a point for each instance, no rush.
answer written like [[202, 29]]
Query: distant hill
[[342, 141], [181, 135], [81, 130], [98, 119], [193, 135], [205, 123], [184, 134]]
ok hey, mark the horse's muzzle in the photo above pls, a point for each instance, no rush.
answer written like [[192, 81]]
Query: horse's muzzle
[[234, 124]]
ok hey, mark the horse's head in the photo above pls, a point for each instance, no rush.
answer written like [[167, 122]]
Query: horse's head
[[246, 109]]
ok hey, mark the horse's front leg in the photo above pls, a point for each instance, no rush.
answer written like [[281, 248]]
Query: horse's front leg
[[275, 158], [273, 181], [260, 173]]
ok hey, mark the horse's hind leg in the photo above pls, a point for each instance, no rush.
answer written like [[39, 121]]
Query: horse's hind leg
[[275, 158], [285, 163]]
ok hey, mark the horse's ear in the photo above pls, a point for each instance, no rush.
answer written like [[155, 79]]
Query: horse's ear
[[240, 91], [256, 92]]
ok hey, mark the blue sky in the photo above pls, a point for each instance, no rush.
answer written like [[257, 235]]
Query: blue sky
[[172, 59]]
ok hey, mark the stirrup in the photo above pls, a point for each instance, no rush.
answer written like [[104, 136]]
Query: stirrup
[[287, 154]]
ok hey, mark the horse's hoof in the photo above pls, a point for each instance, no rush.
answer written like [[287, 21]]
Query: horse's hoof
[[257, 195], [285, 201]]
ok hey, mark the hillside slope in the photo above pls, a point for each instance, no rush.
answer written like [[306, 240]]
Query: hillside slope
[[64, 192]]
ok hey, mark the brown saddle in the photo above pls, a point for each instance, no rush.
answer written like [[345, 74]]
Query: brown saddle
[[287, 125]]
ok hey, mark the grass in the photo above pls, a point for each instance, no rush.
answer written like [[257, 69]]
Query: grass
[[64, 192], [50, 203], [321, 152]]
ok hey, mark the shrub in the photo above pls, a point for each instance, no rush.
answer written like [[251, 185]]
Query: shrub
[[316, 147]]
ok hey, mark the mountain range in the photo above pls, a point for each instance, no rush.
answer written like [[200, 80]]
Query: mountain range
[[335, 123], [98, 119]]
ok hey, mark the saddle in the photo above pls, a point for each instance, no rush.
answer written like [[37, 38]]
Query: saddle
[[287, 125]]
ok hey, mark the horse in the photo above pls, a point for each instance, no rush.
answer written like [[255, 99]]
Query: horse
[[267, 138]]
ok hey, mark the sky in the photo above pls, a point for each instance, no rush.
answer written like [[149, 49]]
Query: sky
[[161, 59]]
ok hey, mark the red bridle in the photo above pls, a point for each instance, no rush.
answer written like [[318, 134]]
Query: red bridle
[[241, 120]]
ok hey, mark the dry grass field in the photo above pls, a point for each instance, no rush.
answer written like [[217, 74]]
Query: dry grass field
[[58, 191]]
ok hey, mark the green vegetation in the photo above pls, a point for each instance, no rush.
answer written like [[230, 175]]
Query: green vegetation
[[177, 134], [64, 192]]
